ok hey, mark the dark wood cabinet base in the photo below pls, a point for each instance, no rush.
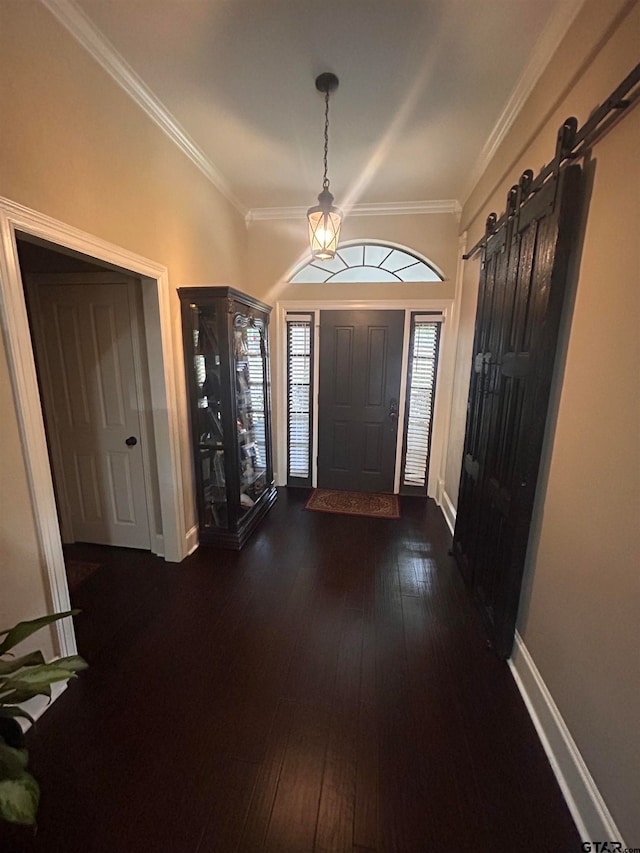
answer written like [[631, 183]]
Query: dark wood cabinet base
[[236, 539]]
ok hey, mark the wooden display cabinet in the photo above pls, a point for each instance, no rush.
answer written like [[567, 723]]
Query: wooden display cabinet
[[226, 345]]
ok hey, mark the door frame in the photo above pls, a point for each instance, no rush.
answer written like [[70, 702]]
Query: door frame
[[156, 295], [444, 383]]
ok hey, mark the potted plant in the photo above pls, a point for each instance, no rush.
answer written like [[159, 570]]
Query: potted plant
[[22, 678]]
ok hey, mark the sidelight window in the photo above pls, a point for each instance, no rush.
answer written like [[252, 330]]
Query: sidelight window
[[421, 387], [299, 398]]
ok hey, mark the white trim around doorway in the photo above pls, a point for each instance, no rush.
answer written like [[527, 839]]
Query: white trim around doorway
[[442, 403], [15, 218]]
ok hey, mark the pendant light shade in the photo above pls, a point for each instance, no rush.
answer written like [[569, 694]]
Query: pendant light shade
[[324, 218], [324, 227]]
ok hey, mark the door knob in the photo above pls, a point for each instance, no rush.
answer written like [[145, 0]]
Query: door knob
[[393, 410], [131, 441]]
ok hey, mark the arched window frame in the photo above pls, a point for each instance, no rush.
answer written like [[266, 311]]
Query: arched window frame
[[336, 268]]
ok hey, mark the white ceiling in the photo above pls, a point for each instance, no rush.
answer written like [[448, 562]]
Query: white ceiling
[[423, 86]]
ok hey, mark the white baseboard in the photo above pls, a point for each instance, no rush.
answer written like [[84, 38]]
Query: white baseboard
[[448, 510], [589, 811], [39, 704], [157, 544], [192, 539]]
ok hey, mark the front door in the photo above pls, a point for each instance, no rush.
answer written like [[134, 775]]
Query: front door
[[359, 393], [85, 355]]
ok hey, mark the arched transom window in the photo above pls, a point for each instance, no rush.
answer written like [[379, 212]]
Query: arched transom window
[[370, 262]]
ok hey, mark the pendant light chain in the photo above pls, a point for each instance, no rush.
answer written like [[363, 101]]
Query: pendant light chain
[[324, 219], [325, 181]]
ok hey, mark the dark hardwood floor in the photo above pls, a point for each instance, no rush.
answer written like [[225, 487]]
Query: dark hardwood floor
[[328, 688]]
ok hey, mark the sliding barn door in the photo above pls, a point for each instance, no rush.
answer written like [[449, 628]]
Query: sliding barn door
[[522, 287]]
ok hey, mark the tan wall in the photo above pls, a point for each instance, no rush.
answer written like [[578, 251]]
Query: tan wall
[[276, 247], [24, 594], [467, 313], [75, 147], [581, 597]]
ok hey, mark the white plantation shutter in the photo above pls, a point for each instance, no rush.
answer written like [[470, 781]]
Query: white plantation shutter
[[299, 339], [420, 396], [256, 390]]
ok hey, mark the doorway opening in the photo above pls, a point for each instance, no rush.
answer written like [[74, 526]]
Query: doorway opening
[[20, 223], [88, 341], [90, 350]]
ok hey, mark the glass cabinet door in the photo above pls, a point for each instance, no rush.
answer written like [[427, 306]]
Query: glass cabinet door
[[249, 356], [210, 473], [226, 334]]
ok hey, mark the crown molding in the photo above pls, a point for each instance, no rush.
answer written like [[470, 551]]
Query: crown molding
[[74, 20], [392, 208], [547, 44]]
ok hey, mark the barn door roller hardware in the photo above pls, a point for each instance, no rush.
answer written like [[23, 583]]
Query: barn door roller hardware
[[571, 144]]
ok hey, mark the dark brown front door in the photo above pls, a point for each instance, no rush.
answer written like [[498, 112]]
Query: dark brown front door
[[359, 391]]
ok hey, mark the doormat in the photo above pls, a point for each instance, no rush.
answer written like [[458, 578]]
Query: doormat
[[78, 571], [354, 503]]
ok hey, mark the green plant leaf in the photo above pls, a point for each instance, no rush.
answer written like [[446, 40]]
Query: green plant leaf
[[74, 663], [13, 711], [7, 667], [12, 761], [23, 630], [17, 696], [45, 673], [19, 799]]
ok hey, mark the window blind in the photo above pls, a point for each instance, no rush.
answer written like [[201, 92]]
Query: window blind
[[299, 343], [256, 389], [420, 396]]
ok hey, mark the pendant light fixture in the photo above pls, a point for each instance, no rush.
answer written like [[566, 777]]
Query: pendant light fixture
[[325, 219]]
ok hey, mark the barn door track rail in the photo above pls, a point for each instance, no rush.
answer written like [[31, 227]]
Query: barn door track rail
[[571, 144]]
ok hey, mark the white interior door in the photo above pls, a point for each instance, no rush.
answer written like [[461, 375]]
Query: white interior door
[[84, 348]]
